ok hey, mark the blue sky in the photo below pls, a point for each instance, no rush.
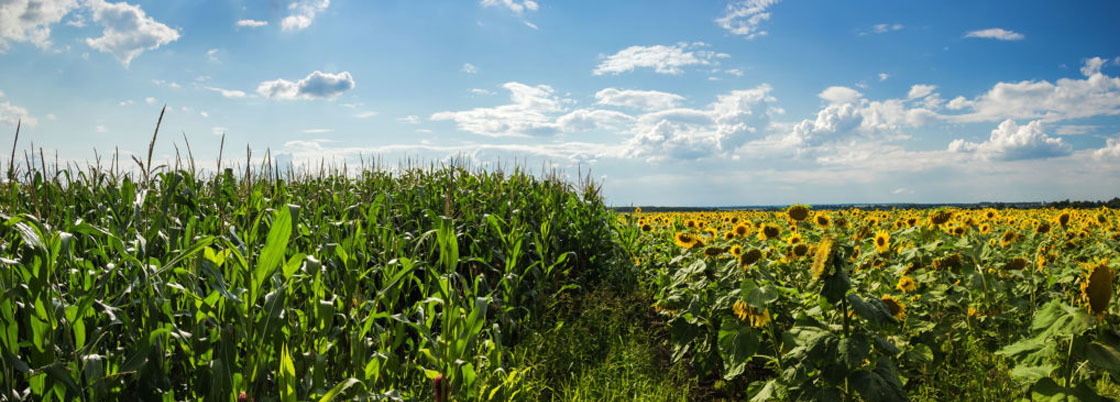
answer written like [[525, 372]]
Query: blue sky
[[665, 102]]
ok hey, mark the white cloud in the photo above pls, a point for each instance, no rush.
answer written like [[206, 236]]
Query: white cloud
[[1111, 150], [100, 129], [531, 25], [527, 115], [316, 85], [249, 23], [204, 114], [883, 76], [212, 55], [920, 91], [51, 116], [410, 119], [690, 134], [303, 13], [1096, 95], [734, 71], [229, 93], [469, 68], [1011, 141], [318, 130], [838, 94], [635, 99], [513, 5], [12, 114], [30, 20], [150, 100], [995, 33], [218, 131], [128, 31], [1074, 129], [745, 18], [1093, 66], [127, 102], [884, 28], [170, 84], [592, 119], [365, 114], [662, 59], [480, 91]]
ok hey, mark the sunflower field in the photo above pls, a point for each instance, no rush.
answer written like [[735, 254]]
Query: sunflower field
[[894, 305]]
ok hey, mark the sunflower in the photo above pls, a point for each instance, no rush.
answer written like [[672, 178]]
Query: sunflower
[[690, 223], [911, 222], [728, 235], [800, 250], [1015, 264], [907, 284], [646, 227], [745, 313], [714, 251], [882, 241], [711, 232], [940, 216], [897, 309], [768, 231], [821, 259], [1063, 219], [638, 210], [985, 228], [823, 220], [742, 230], [749, 257], [1096, 288], [687, 240], [1008, 237], [1042, 228], [736, 250], [794, 239], [798, 212], [990, 214]]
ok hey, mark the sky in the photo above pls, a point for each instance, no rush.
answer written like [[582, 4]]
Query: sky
[[678, 103]]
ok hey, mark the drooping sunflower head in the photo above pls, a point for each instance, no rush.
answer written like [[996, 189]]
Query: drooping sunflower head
[[750, 257], [1015, 264], [1096, 287], [897, 309], [822, 259], [1063, 219], [714, 251], [769, 231], [798, 212], [882, 241], [1042, 228], [1008, 237]]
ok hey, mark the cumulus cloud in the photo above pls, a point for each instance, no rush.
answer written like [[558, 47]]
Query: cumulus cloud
[[1093, 66], [591, 119], [1111, 150], [469, 68], [11, 114], [128, 31], [518, 7], [529, 114], [1095, 95], [920, 91], [317, 85], [250, 23], [662, 59], [636, 99], [838, 94], [745, 18], [884, 76], [689, 134], [1011, 141], [303, 13], [31, 20], [995, 33]]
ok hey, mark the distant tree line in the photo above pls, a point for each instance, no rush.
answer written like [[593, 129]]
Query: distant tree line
[[1113, 203]]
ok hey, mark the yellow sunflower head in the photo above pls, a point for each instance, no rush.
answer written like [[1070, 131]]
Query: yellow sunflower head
[[822, 259], [823, 220], [897, 309], [798, 212], [736, 250], [769, 231], [800, 250], [906, 284], [1096, 287], [646, 227], [1063, 219], [686, 240], [882, 241], [1042, 228], [750, 257], [940, 216], [794, 239], [742, 230]]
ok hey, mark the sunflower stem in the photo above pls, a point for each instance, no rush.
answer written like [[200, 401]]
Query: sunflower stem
[[1069, 361]]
